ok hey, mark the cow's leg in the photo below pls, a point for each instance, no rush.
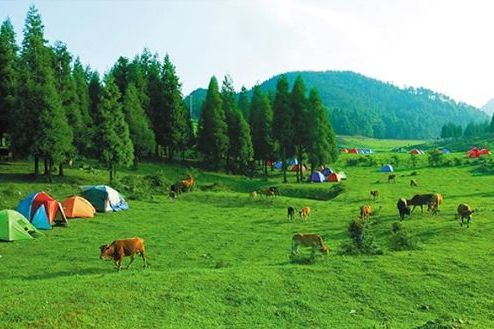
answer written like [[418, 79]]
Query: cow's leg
[[413, 209], [119, 264], [143, 255], [131, 260]]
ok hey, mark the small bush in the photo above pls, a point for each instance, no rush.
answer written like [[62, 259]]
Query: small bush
[[401, 239], [457, 162], [362, 240]]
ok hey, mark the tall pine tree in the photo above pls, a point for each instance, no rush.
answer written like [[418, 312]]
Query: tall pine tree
[[298, 102], [282, 122], [321, 148], [261, 120], [141, 134], [113, 140], [212, 136], [82, 90], [243, 102], [9, 78]]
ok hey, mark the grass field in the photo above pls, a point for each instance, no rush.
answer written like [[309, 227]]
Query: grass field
[[221, 260], [379, 145]]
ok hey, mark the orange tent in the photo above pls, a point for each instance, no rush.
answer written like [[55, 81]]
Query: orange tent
[[77, 206], [343, 150], [334, 177]]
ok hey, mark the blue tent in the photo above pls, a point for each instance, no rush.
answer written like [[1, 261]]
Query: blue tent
[[445, 151], [387, 168], [40, 219], [293, 162], [25, 205], [327, 171], [317, 177], [278, 165]]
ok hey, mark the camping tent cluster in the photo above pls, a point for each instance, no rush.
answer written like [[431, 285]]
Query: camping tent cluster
[[356, 151], [475, 152], [39, 211], [326, 175], [292, 164]]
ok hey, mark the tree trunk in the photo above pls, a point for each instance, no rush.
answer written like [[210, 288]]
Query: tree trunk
[[45, 162], [36, 165], [283, 165], [265, 168], [110, 170], [300, 163], [50, 170], [60, 170], [136, 162]]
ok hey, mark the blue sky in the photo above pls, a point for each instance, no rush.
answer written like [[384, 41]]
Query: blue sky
[[443, 45]]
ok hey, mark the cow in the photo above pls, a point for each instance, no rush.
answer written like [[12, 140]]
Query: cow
[[392, 178], [403, 208], [291, 213], [413, 183], [275, 190], [176, 188], [187, 184], [374, 194], [365, 211], [464, 212], [266, 193], [118, 249], [308, 240], [436, 202], [421, 200], [304, 213]]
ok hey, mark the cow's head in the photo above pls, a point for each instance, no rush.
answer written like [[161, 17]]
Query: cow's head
[[407, 210], [324, 249], [106, 251]]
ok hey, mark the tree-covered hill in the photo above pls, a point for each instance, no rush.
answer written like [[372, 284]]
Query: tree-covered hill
[[489, 107], [359, 105]]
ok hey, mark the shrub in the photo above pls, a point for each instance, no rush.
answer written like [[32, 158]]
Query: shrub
[[401, 239], [362, 240], [457, 161]]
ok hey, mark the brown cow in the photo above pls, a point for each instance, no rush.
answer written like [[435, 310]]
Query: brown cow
[[308, 240], [365, 211], [266, 193], [421, 200], [374, 194], [304, 213], [436, 202], [464, 212], [118, 249], [413, 183], [187, 184]]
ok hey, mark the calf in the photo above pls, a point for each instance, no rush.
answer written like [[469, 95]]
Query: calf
[[291, 213], [308, 240], [118, 249], [464, 212], [304, 213], [392, 178], [413, 183], [365, 211], [374, 194], [403, 208]]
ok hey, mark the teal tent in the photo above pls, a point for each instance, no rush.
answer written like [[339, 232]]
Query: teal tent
[[104, 198]]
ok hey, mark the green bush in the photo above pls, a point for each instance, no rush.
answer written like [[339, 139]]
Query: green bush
[[401, 238], [362, 240]]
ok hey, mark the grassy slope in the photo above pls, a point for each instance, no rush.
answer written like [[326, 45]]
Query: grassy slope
[[218, 259], [373, 143]]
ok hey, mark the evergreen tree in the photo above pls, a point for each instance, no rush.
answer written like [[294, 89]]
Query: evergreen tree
[[113, 140], [491, 127], [243, 102], [8, 77], [94, 93], [261, 121], [282, 122], [212, 136], [82, 91], [137, 76], [120, 73], [141, 134], [240, 150], [156, 97], [321, 148], [298, 102], [173, 112], [44, 128]]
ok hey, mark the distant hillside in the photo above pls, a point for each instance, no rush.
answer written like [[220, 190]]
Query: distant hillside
[[489, 107], [359, 105], [197, 96]]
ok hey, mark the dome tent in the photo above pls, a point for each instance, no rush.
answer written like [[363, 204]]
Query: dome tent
[[77, 206], [104, 198], [317, 177], [327, 171], [52, 214], [334, 177], [387, 168], [14, 226]]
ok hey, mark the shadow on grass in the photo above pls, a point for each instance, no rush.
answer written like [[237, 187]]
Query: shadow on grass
[[53, 275]]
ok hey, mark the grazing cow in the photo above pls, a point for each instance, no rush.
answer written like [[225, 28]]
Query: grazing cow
[[275, 190], [413, 183], [365, 211], [304, 213], [308, 240], [266, 193], [464, 212], [118, 249], [253, 194], [403, 208], [188, 184], [436, 202], [392, 178], [291, 213], [421, 200], [374, 194]]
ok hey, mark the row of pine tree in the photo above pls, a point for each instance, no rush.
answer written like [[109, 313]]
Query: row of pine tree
[[54, 109]]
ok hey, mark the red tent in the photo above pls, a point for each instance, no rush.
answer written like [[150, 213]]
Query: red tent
[[473, 153], [353, 151], [334, 177], [485, 151], [53, 208], [295, 168]]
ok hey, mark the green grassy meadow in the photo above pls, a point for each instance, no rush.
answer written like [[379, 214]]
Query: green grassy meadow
[[218, 259]]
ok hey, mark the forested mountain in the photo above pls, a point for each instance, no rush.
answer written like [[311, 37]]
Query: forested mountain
[[359, 105], [489, 107]]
